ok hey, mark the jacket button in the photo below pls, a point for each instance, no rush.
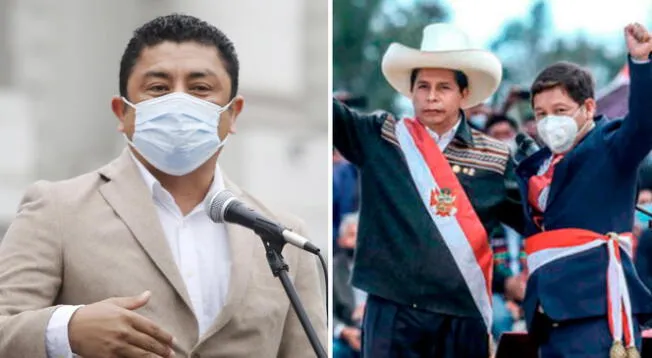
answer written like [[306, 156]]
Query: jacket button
[[414, 305]]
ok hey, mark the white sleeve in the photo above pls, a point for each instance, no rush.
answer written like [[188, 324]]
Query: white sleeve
[[56, 334]]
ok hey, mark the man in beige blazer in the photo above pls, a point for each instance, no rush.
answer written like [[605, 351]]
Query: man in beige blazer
[[123, 261]]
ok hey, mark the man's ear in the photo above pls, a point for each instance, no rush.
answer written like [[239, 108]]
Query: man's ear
[[235, 110], [591, 107], [465, 97], [119, 109]]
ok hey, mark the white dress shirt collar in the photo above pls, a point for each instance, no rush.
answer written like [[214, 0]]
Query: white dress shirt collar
[[445, 139]]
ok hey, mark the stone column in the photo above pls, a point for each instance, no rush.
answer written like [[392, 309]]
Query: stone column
[[280, 153], [67, 61], [5, 55]]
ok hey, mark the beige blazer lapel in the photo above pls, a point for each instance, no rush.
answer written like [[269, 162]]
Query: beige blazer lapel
[[125, 191], [243, 243]]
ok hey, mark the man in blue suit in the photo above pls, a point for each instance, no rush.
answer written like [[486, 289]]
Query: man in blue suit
[[583, 297]]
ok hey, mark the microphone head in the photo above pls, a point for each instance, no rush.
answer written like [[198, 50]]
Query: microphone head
[[526, 146], [217, 204], [520, 137]]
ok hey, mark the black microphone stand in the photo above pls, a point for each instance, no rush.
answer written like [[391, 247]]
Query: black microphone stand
[[273, 240]]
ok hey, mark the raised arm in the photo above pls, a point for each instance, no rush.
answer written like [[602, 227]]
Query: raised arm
[[633, 140], [350, 129]]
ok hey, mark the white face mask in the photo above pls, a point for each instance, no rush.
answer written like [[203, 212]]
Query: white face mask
[[176, 133], [558, 132], [478, 120]]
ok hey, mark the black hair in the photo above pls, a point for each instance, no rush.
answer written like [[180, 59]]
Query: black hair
[[460, 78], [499, 118], [178, 28], [571, 78]]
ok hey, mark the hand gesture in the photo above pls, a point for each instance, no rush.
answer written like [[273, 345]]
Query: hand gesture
[[110, 328], [639, 41]]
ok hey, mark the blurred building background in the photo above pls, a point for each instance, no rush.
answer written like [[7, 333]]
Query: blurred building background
[[59, 65]]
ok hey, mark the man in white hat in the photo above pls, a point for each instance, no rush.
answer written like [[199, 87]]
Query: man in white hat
[[433, 190]]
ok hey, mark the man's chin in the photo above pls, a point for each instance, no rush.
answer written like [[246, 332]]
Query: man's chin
[[433, 120]]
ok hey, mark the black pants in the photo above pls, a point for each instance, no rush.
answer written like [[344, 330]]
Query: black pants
[[393, 330]]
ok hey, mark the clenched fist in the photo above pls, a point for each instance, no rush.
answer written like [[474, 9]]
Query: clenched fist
[[639, 41], [109, 329]]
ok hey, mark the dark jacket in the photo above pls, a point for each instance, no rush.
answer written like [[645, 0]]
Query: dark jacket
[[345, 196], [401, 255], [593, 188]]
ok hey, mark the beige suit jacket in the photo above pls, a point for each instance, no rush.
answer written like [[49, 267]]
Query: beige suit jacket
[[98, 236]]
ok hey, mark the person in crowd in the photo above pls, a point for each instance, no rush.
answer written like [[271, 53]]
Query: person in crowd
[[583, 295], [345, 175], [529, 127], [478, 116], [348, 301], [503, 128], [507, 244], [432, 190], [345, 193]]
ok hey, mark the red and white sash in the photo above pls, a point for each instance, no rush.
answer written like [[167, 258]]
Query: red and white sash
[[451, 211], [549, 246], [539, 188]]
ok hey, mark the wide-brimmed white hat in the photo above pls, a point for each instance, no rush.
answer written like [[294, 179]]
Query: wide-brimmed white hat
[[444, 46]]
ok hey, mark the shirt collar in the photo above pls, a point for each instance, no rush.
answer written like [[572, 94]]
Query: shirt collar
[[447, 135], [157, 190]]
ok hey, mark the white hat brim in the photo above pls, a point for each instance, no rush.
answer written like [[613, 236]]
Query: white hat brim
[[481, 67]]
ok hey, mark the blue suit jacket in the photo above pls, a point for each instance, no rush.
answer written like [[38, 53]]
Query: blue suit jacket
[[593, 188]]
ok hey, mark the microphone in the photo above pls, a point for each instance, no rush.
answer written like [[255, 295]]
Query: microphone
[[525, 147], [224, 207]]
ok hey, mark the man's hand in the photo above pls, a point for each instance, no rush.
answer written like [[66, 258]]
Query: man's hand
[[515, 288], [515, 310], [109, 329], [351, 335], [639, 41]]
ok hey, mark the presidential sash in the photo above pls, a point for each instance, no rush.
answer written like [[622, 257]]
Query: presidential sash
[[451, 211], [549, 246]]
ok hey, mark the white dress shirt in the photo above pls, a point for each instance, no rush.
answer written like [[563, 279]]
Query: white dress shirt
[[200, 249], [444, 140]]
